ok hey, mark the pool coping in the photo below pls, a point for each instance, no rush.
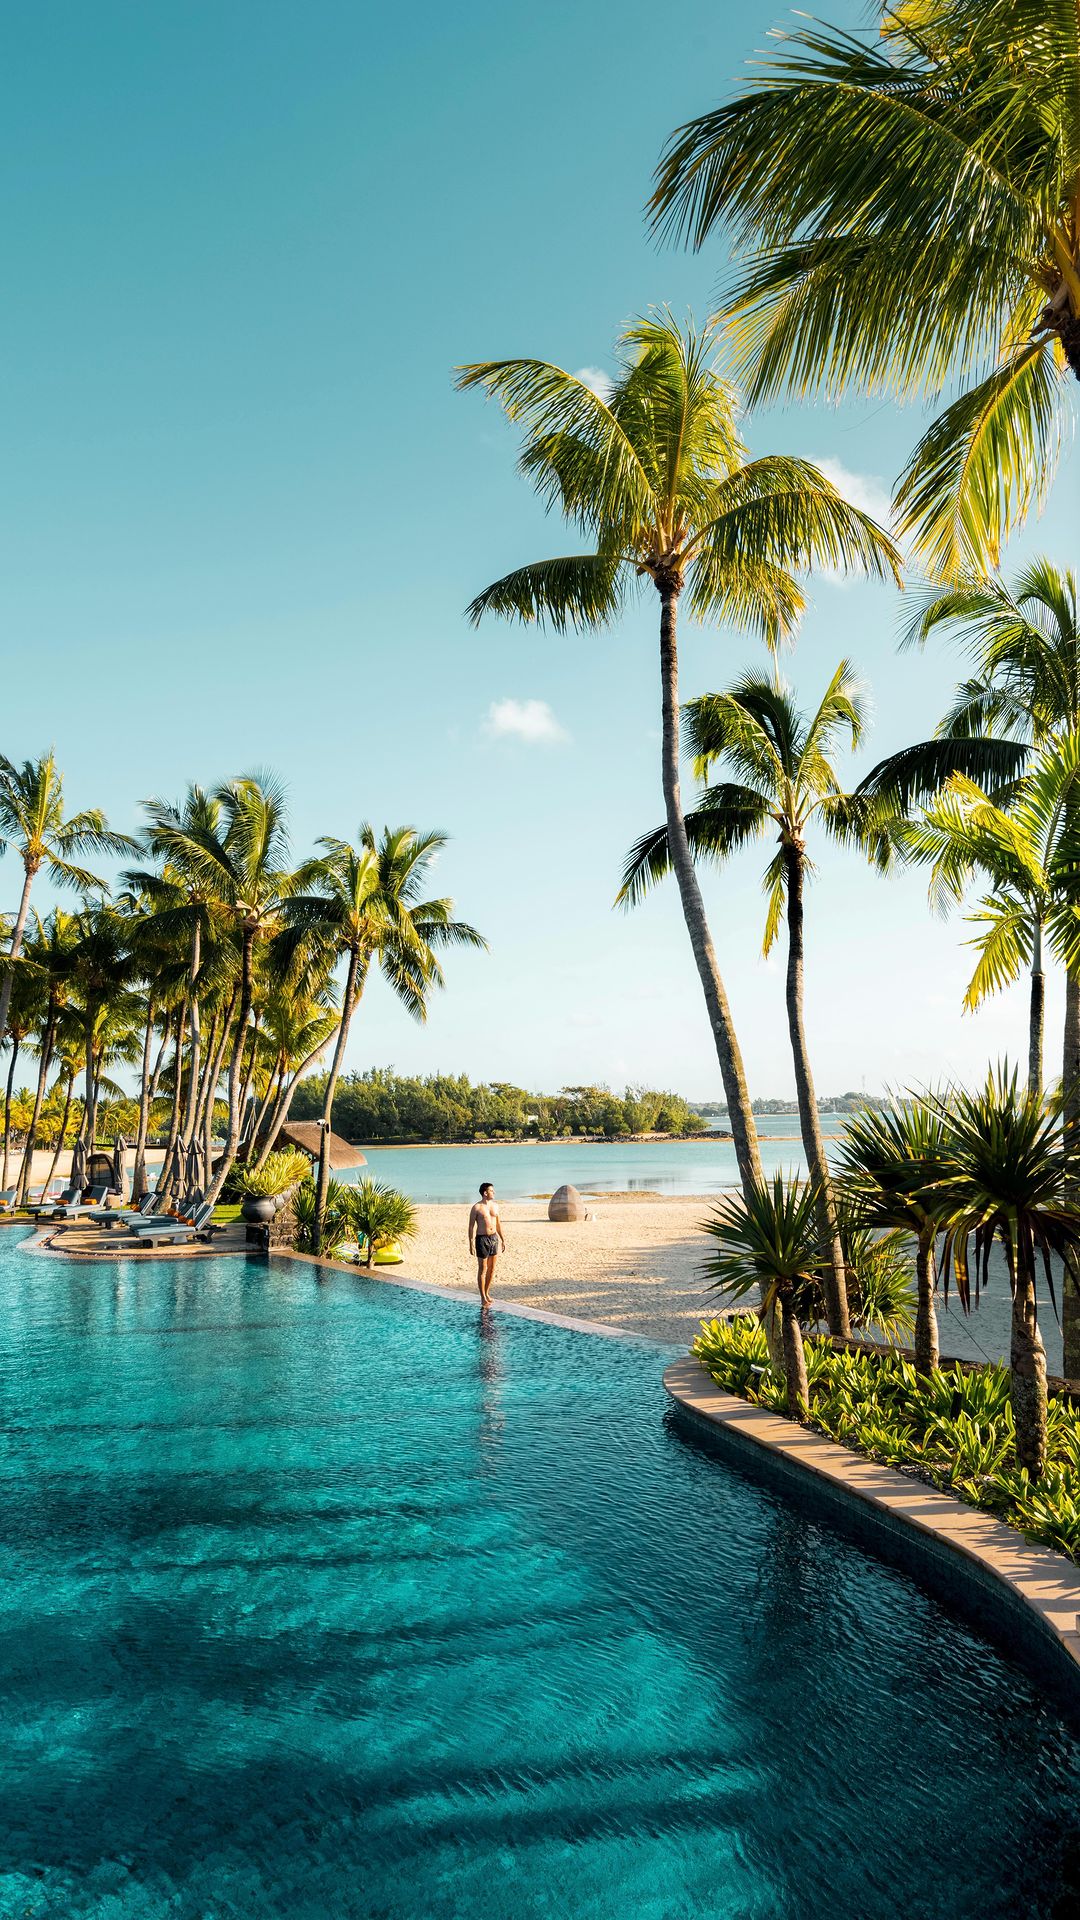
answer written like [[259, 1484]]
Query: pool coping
[[462, 1298], [1043, 1586]]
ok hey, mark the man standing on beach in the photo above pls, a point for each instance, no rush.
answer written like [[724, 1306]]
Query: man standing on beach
[[485, 1238]]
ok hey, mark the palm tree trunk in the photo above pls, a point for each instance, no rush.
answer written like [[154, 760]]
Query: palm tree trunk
[[798, 1387], [835, 1275], [322, 1184], [138, 1168], [25, 1171], [1027, 1363], [63, 1130], [274, 1081], [188, 1128], [89, 1119], [7, 1107], [284, 1102], [249, 1075], [235, 1066], [170, 1165], [732, 1071], [13, 953], [927, 1351], [1036, 1014], [1070, 1105]]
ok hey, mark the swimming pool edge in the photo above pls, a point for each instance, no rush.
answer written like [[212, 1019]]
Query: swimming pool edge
[[464, 1298], [1040, 1588]]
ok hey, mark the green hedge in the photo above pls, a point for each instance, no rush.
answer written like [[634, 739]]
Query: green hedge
[[954, 1429]]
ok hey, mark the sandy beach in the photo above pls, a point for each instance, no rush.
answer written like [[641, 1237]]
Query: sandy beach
[[632, 1265]]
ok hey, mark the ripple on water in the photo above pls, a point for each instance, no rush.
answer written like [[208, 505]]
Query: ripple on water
[[368, 1610]]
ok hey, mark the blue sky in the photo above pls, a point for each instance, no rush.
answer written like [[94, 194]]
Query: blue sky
[[243, 508]]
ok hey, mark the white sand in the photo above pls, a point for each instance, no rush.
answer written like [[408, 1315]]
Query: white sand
[[633, 1265]]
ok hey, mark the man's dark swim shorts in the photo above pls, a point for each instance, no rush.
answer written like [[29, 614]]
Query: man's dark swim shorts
[[487, 1246]]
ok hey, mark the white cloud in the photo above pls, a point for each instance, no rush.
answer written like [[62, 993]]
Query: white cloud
[[529, 720], [595, 377], [867, 492], [864, 490]]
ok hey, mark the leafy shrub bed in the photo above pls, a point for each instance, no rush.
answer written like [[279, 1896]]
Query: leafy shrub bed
[[953, 1429]]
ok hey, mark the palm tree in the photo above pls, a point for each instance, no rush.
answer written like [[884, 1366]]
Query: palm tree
[[1004, 1179], [50, 953], [1029, 853], [887, 1159], [238, 858], [902, 210], [657, 476], [102, 970], [784, 780], [767, 1241], [369, 907], [1025, 640], [32, 817], [24, 1016]]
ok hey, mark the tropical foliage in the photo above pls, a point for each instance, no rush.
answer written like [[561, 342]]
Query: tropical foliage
[[656, 477], [953, 1427], [382, 1105], [210, 974], [901, 211]]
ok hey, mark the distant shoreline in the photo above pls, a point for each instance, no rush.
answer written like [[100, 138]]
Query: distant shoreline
[[574, 1140]]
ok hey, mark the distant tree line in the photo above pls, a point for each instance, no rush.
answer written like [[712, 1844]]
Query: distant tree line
[[383, 1105], [826, 1103]]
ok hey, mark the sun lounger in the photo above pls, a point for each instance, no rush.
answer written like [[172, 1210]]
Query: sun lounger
[[48, 1205], [7, 1198], [80, 1209], [125, 1216], [157, 1233]]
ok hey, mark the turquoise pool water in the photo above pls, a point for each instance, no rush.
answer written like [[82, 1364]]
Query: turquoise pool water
[[323, 1601]]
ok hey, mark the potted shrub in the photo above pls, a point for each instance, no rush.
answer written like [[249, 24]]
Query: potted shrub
[[263, 1189]]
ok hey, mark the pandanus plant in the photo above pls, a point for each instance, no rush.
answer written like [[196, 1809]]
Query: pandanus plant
[[1003, 1179], [886, 1161], [767, 1242]]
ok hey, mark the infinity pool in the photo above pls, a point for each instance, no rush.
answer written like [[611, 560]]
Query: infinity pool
[[323, 1601]]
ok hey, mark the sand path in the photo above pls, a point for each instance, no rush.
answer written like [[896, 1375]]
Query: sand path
[[633, 1264]]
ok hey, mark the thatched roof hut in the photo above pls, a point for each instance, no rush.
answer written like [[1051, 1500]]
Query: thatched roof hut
[[306, 1134], [566, 1203]]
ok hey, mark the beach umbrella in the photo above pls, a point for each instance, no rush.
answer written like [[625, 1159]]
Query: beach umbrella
[[192, 1168], [119, 1167], [78, 1165]]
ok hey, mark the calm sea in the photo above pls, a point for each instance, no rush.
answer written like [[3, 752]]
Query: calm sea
[[538, 1167]]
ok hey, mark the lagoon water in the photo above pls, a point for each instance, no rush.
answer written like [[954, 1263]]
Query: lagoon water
[[325, 1600], [538, 1167]]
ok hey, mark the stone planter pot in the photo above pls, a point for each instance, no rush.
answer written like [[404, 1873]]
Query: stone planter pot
[[256, 1210]]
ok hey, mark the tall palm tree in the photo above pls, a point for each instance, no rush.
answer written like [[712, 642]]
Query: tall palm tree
[[1024, 639], [1004, 1179], [24, 1017], [32, 819], [370, 908], [902, 212], [784, 780], [102, 970], [239, 860], [767, 1241], [657, 476], [1029, 852], [50, 952], [886, 1161]]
